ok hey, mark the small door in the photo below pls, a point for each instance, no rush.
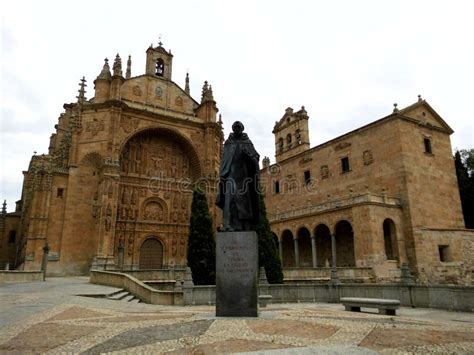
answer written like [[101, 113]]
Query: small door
[[151, 254]]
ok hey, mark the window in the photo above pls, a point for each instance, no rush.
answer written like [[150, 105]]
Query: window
[[12, 237], [60, 193], [276, 187], [160, 67], [307, 177], [280, 144], [288, 138], [345, 165], [427, 143], [444, 253], [298, 135]]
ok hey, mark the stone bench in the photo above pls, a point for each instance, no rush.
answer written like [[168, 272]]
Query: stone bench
[[384, 306], [263, 300]]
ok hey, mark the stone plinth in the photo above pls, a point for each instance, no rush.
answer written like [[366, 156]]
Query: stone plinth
[[236, 274]]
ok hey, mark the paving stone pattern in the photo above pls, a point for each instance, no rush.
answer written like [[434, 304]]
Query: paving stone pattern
[[73, 324]]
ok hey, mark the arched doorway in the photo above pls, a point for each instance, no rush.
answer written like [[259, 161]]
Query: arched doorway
[[323, 245], [288, 249], [151, 254], [304, 247], [345, 256], [390, 239]]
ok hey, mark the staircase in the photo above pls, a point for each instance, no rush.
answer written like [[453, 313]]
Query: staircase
[[122, 296]]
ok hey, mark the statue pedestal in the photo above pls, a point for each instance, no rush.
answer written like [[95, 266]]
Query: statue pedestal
[[236, 274]]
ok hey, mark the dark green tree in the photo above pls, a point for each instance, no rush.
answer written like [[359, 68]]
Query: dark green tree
[[267, 249], [201, 243], [466, 184]]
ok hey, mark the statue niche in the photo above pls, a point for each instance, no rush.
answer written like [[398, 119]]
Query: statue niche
[[154, 212]]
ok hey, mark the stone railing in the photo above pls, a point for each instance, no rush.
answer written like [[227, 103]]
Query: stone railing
[[137, 288], [335, 204], [155, 275], [354, 274]]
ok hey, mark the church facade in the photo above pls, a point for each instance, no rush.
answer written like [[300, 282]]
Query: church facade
[[371, 200], [115, 189]]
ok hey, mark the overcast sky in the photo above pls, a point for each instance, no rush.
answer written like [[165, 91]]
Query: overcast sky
[[347, 62]]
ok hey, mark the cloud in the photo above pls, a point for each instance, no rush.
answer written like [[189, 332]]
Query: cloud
[[346, 61]]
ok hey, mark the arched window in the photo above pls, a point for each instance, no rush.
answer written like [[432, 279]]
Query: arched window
[[390, 239], [160, 67], [280, 144], [288, 138]]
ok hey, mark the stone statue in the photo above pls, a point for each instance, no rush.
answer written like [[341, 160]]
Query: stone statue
[[239, 182]]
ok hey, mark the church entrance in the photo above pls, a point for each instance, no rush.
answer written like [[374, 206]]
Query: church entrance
[[151, 254]]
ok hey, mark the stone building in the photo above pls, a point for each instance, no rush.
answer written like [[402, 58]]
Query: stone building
[[114, 189], [373, 199], [113, 192]]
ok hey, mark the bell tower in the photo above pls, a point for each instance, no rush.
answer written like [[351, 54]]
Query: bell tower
[[291, 134], [159, 62]]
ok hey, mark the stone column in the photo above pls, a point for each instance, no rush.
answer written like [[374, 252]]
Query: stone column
[[280, 250], [333, 250], [334, 278], [297, 252], [313, 249]]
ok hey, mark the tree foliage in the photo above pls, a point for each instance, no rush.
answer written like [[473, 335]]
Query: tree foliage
[[201, 243], [268, 256], [464, 163]]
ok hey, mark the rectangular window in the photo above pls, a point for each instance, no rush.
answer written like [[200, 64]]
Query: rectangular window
[[428, 148], [307, 177], [276, 187], [60, 193], [345, 165], [444, 253]]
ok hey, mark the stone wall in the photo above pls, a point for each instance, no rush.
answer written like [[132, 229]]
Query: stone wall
[[20, 276], [454, 298], [458, 264]]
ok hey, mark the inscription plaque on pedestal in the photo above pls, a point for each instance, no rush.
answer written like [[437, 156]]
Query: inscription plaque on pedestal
[[236, 274]]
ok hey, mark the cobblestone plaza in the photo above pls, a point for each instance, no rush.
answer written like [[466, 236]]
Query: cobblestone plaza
[[50, 317]]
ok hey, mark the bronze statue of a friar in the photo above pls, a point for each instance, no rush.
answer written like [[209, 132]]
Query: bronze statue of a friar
[[239, 182]]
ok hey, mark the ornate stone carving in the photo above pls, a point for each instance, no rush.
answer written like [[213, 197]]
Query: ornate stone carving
[[174, 247], [153, 211], [155, 156], [342, 145], [108, 218], [158, 92], [130, 243], [94, 127], [137, 91], [367, 157], [324, 172], [179, 101], [182, 248], [305, 160], [129, 124]]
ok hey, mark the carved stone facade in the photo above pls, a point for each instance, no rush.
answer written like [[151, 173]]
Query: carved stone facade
[[372, 199], [114, 191]]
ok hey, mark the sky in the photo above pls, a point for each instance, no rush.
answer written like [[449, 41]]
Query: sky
[[347, 62]]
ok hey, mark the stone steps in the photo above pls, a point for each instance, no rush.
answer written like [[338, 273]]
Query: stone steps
[[123, 296]]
